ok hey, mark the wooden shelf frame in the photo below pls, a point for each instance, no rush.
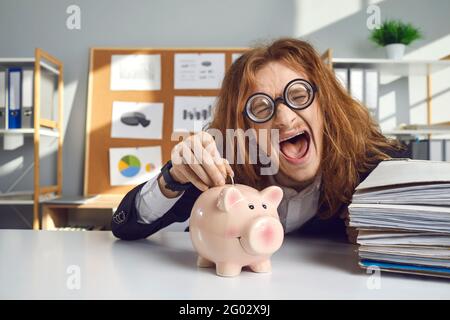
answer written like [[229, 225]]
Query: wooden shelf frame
[[40, 57], [42, 131], [42, 60]]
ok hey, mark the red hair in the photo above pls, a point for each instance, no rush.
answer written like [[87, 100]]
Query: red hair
[[352, 141]]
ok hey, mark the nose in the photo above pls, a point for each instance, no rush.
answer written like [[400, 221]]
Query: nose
[[284, 116], [264, 235]]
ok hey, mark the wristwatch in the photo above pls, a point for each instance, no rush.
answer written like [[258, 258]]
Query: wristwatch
[[171, 184]]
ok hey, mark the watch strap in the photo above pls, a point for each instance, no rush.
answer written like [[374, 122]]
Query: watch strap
[[171, 184]]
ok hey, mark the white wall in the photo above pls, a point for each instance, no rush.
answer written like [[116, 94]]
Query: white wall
[[341, 25]]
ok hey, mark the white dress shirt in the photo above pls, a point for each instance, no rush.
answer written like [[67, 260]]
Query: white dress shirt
[[151, 204], [295, 209]]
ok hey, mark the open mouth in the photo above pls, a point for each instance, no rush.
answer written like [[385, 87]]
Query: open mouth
[[295, 148]]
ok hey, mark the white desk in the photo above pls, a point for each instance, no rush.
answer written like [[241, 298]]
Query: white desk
[[33, 265]]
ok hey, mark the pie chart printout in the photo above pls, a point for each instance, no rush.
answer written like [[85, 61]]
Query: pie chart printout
[[129, 166], [133, 166]]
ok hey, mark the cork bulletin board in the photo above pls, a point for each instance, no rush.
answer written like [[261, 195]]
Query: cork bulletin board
[[100, 103]]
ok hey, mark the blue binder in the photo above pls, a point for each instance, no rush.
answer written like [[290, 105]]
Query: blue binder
[[14, 97]]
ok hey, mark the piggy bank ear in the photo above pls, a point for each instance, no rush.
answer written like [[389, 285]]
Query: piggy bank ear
[[228, 198], [273, 195]]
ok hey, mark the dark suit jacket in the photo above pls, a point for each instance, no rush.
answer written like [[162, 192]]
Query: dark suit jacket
[[125, 223]]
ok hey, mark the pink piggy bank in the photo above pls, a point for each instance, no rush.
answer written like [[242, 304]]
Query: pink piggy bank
[[233, 226]]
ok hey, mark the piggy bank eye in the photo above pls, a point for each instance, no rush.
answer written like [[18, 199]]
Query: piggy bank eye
[[264, 206], [251, 206]]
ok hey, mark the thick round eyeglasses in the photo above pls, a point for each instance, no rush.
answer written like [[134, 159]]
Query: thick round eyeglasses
[[297, 95]]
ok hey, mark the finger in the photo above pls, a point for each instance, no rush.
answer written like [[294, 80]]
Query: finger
[[211, 168], [190, 176], [221, 167], [176, 171], [207, 161], [211, 162], [218, 160], [190, 160], [205, 138], [225, 168], [211, 147], [228, 168], [175, 155]]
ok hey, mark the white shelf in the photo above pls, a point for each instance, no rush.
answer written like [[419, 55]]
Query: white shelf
[[27, 61], [396, 132], [21, 201], [394, 67], [42, 132], [16, 202]]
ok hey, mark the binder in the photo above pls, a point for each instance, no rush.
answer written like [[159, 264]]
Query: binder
[[2, 98], [357, 84], [371, 91], [447, 149], [342, 76], [27, 98], [420, 150], [437, 150], [14, 97]]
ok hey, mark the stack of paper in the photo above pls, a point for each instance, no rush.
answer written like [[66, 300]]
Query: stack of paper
[[402, 213]]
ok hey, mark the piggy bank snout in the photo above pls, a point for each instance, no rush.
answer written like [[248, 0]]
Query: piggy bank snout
[[264, 235]]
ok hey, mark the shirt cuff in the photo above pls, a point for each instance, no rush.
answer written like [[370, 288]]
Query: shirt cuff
[[151, 203]]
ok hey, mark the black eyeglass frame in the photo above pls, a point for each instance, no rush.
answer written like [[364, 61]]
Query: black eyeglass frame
[[283, 99]]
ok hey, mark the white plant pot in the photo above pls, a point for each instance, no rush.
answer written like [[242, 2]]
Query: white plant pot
[[395, 51]]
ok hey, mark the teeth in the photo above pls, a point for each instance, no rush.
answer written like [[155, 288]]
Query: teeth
[[297, 134]]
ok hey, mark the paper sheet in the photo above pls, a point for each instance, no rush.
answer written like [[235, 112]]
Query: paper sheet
[[191, 114], [137, 120], [397, 172], [131, 166], [402, 214], [136, 72], [199, 71]]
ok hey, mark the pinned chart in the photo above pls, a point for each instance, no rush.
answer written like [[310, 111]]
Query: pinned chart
[[135, 72], [146, 98], [199, 71], [137, 120], [129, 166], [191, 114]]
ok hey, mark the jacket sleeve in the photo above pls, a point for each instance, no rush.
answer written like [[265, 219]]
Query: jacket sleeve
[[125, 225]]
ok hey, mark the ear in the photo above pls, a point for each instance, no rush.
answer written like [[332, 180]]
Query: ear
[[228, 198], [273, 195]]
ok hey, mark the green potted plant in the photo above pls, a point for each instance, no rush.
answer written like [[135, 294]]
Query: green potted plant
[[395, 35]]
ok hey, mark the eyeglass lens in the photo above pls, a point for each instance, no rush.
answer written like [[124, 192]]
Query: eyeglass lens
[[299, 95]]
